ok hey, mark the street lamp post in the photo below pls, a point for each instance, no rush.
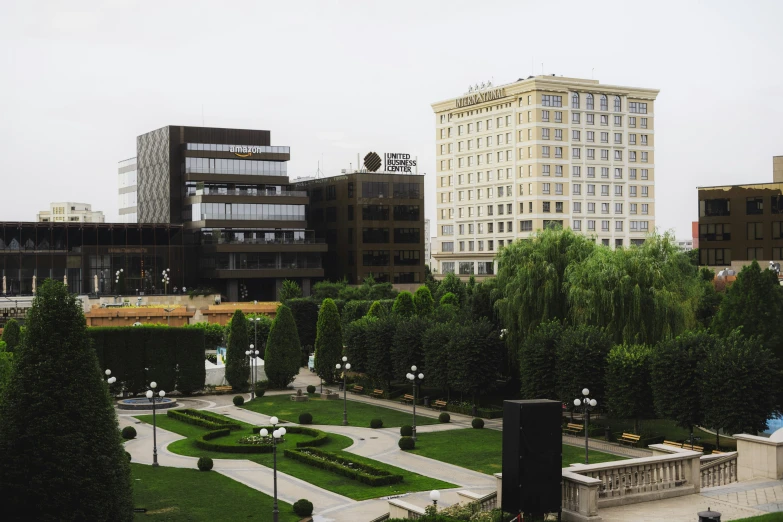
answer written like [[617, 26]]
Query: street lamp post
[[345, 400], [153, 398], [276, 434], [435, 496], [252, 354], [586, 404], [415, 379], [110, 380], [166, 280]]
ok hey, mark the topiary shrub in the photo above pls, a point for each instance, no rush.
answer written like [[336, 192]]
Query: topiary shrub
[[406, 443], [128, 432], [260, 393], [477, 423], [305, 418], [303, 507], [406, 431], [239, 400], [444, 417], [310, 388], [127, 454], [204, 464], [376, 423]]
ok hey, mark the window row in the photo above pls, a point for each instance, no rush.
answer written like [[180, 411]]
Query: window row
[[253, 149], [381, 235], [232, 166], [383, 258], [247, 211], [467, 267], [380, 189]]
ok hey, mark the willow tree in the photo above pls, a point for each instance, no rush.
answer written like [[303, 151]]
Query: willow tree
[[640, 295], [531, 282]]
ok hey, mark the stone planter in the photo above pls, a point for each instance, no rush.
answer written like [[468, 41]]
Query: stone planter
[[299, 398]]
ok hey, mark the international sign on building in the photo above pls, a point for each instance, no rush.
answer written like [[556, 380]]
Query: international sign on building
[[481, 97]]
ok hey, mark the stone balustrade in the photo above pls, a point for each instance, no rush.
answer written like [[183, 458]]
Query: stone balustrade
[[719, 471], [401, 509], [580, 497], [760, 457]]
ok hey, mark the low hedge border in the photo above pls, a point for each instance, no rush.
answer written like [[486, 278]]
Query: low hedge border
[[204, 442], [198, 418], [484, 413], [333, 462], [320, 439]]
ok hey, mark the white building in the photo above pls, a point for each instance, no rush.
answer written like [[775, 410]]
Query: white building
[[427, 243], [685, 244], [127, 190], [69, 211]]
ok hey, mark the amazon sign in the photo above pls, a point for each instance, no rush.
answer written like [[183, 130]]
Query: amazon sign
[[244, 151]]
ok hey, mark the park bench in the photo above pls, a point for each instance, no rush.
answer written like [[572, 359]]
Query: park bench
[[223, 388], [377, 394], [406, 399], [357, 389], [672, 443], [716, 452], [574, 428], [629, 438], [693, 447], [439, 405]]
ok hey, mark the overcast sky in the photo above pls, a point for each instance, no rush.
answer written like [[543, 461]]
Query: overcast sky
[[80, 80]]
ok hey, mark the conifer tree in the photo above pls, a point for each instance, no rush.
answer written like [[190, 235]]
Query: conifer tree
[[328, 341], [237, 364], [283, 351]]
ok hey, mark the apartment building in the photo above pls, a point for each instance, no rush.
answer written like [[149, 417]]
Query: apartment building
[[70, 212], [539, 152]]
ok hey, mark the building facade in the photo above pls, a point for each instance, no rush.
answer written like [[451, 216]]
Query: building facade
[[539, 152], [427, 243], [229, 188], [69, 212], [373, 224], [127, 191]]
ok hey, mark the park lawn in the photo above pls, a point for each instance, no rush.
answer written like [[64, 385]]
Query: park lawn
[[174, 494], [481, 450], [318, 477], [331, 412], [664, 428]]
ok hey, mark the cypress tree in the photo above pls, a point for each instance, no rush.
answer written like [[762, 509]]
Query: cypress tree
[[62, 454], [328, 341], [283, 351], [11, 335], [376, 310], [237, 365], [403, 305], [424, 302]]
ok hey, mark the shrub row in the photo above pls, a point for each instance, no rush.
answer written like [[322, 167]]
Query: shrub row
[[484, 413], [204, 442], [363, 473], [320, 437], [201, 419]]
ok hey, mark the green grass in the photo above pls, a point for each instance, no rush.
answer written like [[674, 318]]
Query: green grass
[[481, 450], [665, 428], [331, 412], [772, 517], [174, 494], [318, 477]]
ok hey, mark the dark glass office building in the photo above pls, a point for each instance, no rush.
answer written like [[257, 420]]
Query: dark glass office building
[[229, 189]]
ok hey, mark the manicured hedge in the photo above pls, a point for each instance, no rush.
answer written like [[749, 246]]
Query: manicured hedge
[[205, 442], [204, 419], [333, 462], [174, 356], [320, 437], [484, 413]]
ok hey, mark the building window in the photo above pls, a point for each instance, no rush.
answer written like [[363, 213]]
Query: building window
[[375, 258], [576, 189], [558, 152], [575, 101], [589, 104], [637, 107], [559, 134], [577, 206], [590, 154], [618, 121], [590, 172], [645, 192], [618, 137], [604, 208], [755, 231], [559, 188], [632, 121], [591, 119], [604, 119], [618, 104], [590, 189], [643, 123], [604, 103], [590, 224], [558, 117], [715, 256], [407, 235], [632, 191], [633, 208], [577, 224], [466, 267], [375, 189], [559, 207], [644, 157], [546, 206], [551, 101], [576, 152], [605, 226], [604, 190], [618, 173], [605, 154], [618, 208], [632, 173], [526, 226], [644, 139], [590, 208], [618, 190], [618, 155], [755, 253]]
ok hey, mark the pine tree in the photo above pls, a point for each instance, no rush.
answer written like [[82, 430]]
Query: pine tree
[[403, 305], [328, 341], [424, 302], [237, 364], [283, 351], [11, 335], [62, 455]]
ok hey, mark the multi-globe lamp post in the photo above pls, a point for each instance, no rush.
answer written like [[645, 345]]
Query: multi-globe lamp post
[[415, 379], [110, 380], [154, 398], [586, 404], [252, 355], [117, 276], [166, 280], [277, 433], [345, 400]]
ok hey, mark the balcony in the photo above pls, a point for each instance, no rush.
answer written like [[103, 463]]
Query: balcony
[[238, 192], [208, 170], [262, 241], [252, 217]]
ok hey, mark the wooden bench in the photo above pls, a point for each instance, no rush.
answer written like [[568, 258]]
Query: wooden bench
[[438, 405], [693, 448], [716, 452], [223, 388], [406, 399], [629, 438], [672, 443], [377, 394], [574, 428], [357, 389]]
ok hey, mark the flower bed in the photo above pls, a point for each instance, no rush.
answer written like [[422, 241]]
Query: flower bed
[[205, 442], [319, 437], [253, 443], [203, 419], [335, 463]]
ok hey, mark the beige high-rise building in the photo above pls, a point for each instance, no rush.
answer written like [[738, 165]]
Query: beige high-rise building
[[546, 150], [70, 212]]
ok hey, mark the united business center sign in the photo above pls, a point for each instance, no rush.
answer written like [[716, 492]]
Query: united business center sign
[[392, 162]]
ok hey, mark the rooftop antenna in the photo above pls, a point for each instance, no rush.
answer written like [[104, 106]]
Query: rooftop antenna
[[318, 172]]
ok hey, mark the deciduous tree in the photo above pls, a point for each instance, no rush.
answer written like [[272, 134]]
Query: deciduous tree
[[628, 389], [11, 335], [538, 362]]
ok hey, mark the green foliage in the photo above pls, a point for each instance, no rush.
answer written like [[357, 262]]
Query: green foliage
[[283, 351], [376, 423], [204, 464], [444, 418], [11, 335], [305, 418], [328, 341], [369, 290], [446, 313], [128, 432], [356, 343], [238, 400], [423, 301], [482, 301], [328, 290], [640, 295], [310, 388], [377, 310], [739, 384], [628, 387], [436, 343], [477, 423], [406, 443], [452, 284], [213, 333], [709, 303], [205, 419], [753, 302], [406, 346], [237, 365], [406, 431], [403, 305], [379, 363], [538, 361], [303, 508], [675, 377], [337, 463], [6, 367], [449, 299], [475, 355], [290, 290], [61, 460], [353, 311], [581, 363], [306, 317], [258, 326]]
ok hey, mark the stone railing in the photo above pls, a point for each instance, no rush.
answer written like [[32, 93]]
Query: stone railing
[[486, 502], [719, 471], [382, 518], [401, 509], [580, 497]]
